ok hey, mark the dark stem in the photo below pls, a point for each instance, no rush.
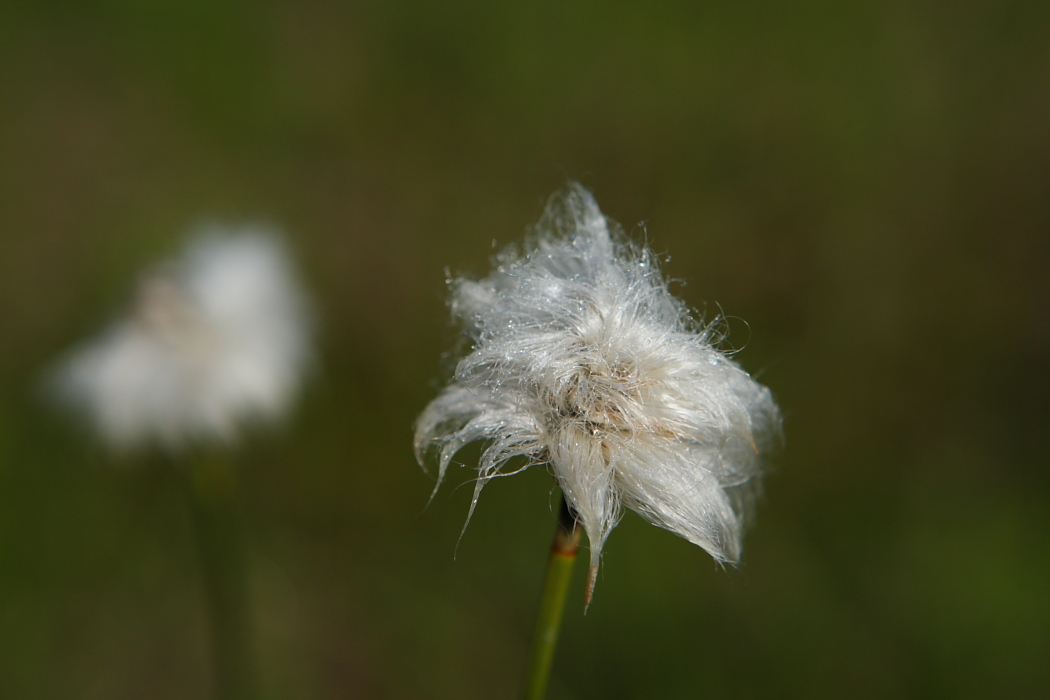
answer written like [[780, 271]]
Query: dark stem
[[212, 504], [552, 603]]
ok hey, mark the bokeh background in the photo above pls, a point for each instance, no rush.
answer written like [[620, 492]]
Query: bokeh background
[[863, 188]]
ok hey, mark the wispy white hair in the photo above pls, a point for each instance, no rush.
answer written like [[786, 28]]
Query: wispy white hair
[[584, 361], [215, 339]]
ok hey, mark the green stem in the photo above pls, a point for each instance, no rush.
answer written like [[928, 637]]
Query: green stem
[[211, 492], [552, 604]]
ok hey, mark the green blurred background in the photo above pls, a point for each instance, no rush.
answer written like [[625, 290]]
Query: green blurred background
[[867, 185]]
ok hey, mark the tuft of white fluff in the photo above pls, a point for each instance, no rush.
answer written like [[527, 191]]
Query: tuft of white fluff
[[215, 339], [584, 361]]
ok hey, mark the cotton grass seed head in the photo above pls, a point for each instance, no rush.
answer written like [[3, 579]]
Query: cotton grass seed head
[[214, 339], [582, 360]]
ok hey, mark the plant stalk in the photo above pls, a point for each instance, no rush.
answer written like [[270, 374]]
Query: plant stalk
[[552, 603], [212, 504]]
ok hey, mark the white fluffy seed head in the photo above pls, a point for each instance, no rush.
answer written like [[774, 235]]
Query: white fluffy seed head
[[584, 361], [215, 339]]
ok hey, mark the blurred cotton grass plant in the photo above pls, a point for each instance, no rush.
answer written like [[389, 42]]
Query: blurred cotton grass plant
[[215, 340], [583, 361]]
